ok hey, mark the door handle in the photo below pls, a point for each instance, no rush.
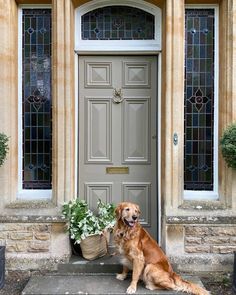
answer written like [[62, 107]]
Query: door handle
[[117, 96]]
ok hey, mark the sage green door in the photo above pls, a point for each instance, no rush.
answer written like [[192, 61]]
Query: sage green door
[[117, 132]]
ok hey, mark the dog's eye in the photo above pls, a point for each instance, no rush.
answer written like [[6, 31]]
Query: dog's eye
[[127, 209]]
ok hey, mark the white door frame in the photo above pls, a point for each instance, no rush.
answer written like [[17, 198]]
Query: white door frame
[[158, 122], [124, 49]]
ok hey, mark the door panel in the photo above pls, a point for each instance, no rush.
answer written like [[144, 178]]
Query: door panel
[[139, 192], [95, 191], [98, 74], [117, 132], [98, 130], [136, 130], [136, 74]]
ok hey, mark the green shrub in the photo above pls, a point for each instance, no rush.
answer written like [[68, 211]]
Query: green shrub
[[228, 145], [3, 148]]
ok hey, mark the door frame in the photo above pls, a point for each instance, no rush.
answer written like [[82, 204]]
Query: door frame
[[124, 48], [158, 126]]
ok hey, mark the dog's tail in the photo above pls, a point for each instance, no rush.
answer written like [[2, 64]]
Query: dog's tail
[[188, 287], [155, 277]]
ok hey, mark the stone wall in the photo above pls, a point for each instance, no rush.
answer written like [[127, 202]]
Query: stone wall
[[201, 243], [34, 246], [210, 239], [26, 238]]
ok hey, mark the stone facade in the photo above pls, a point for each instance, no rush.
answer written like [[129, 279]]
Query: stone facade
[[210, 239], [35, 246], [26, 238], [202, 243], [195, 235]]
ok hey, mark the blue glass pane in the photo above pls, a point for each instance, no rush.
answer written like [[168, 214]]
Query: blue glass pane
[[117, 23], [199, 99], [36, 104]]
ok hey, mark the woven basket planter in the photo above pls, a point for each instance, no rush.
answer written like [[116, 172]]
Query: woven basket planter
[[94, 246]]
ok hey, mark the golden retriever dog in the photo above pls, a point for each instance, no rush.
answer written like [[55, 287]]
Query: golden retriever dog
[[141, 254]]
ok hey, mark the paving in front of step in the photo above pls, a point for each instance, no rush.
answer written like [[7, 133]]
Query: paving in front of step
[[88, 284]]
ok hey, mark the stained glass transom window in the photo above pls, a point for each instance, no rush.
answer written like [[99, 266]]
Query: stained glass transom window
[[199, 99], [118, 23], [36, 98]]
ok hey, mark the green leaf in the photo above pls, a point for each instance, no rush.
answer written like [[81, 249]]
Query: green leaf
[[228, 145]]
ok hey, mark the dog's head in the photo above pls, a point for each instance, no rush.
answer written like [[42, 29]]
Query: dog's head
[[128, 213]]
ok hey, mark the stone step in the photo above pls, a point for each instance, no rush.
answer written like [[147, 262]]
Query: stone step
[[77, 265], [93, 284]]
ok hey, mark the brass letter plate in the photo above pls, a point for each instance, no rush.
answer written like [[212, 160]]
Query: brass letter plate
[[117, 170]]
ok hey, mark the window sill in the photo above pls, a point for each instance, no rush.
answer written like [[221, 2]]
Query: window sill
[[32, 218], [30, 204], [201, 196], [202, 205], [201, 219], [37, 195], [44, 211]]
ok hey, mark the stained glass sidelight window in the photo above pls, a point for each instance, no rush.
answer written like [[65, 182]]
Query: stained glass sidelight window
[[117, 23], [199, 99], [36, 98]]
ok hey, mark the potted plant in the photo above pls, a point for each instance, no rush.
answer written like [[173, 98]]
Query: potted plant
[[3, 148], [228, 145], [89, 228]]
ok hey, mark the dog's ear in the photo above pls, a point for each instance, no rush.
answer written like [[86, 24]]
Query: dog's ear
[[138, 209], [118, 211]]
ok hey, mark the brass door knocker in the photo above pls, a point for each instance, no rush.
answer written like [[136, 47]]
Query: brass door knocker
[[117, 95]]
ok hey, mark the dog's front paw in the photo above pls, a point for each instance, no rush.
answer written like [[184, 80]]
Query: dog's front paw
[[121, 276], [131, 290]]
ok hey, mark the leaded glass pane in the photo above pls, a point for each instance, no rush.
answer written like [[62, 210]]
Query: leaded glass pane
[[36, 102], [199, 99], [117, 23]]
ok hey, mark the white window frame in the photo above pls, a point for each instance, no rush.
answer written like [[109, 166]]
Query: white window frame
[[25, 194], [214, 194], [96, 46]]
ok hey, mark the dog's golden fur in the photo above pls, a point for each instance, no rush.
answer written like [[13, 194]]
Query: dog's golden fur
[[142, 254]]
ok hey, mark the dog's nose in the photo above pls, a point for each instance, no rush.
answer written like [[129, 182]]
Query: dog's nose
[[134, 217]]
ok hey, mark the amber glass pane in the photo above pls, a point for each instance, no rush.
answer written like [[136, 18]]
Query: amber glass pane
[[199, 99], [36, 102]]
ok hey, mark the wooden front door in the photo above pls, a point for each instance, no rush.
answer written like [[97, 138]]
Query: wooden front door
[[118, 132]]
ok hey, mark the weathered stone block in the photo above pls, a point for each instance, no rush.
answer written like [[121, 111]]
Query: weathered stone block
[[21, 236], [3, 235], [12, 227], [197, 231], [216, 240], [193, 240], [233, 240], [42, 228], [224, 231], [38, 246], [42, 236], [223, 249], [16, 246], [197, 249]]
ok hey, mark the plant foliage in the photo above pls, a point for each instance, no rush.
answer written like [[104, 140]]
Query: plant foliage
[[3, 148], [228, 145], [82, 222]]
